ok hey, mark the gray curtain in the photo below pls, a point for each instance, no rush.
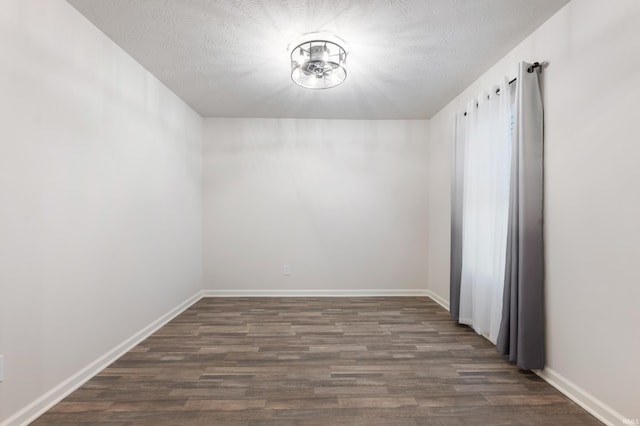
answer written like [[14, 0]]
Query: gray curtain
[[521, 337], [457, 190]]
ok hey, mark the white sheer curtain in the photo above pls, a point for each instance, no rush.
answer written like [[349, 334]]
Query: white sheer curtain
[[487, 148]]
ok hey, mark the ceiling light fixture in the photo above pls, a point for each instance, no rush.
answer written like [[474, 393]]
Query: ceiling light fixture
[[319, 62]]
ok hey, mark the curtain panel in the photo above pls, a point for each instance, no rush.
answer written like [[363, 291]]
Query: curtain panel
[[522, 331], [457, 190], [485, 210]]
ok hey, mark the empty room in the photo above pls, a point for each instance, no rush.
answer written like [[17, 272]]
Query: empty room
[[375, 212]]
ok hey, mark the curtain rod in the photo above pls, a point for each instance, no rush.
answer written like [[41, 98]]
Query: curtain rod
[[530, 69]]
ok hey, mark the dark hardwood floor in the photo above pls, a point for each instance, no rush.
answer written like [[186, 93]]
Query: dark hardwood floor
[[315, 361]]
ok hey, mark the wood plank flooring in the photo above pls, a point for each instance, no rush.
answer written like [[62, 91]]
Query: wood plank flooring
[[315, 361]]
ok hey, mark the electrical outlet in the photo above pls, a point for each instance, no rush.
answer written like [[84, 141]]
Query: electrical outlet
[[287, 269], [1, 368]]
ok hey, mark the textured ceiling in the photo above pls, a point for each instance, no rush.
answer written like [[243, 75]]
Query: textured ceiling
[[229, 58]]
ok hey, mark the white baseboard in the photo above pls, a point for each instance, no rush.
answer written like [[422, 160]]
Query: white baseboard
[[328, 293], [439, 300], [584, 399], [35, 409], [314, 293]]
